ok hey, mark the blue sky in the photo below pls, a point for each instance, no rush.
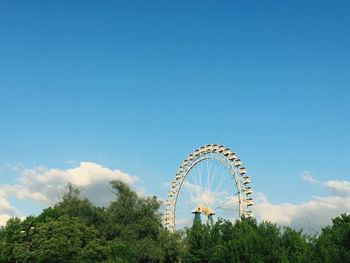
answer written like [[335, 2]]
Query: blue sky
[[136, 86]]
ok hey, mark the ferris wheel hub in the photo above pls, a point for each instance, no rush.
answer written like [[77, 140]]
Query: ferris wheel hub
[[203, 210]]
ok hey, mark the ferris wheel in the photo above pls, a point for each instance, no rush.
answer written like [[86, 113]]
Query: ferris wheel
[[211, 183]]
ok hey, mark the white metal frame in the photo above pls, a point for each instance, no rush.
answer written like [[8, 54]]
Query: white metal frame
[[228, 159]]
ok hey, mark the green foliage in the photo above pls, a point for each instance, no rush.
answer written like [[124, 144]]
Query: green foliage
[[296, 246], [247, 241], [10, 236], [333, 244], [130, 230]]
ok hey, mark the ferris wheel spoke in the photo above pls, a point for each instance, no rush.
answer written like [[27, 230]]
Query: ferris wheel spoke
[[201, 175], [208, 178], [209, 173], [222, 178], [226, 212], [198, 184], [227, 206], [226, 201], [213, 177], [194, 176], [232, 207], [189, 193]]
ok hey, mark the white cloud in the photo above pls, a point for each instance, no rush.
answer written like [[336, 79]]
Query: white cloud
[[6, 210], [260, 197], [341, 188], [307, 177], [44, 185], [311, 215], [22, 192], [4, 219], [5, 206]]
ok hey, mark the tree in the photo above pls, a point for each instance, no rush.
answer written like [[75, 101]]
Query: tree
[[244, 241], [198, 242], [73, 205], [135, 221], [296, 246], [333, 244], [10, 236], [130, 230]]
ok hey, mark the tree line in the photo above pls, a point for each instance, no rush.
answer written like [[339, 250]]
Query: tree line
[[130, 230]]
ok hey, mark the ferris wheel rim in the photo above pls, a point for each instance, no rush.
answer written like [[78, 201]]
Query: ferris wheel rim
[[209, 152]]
